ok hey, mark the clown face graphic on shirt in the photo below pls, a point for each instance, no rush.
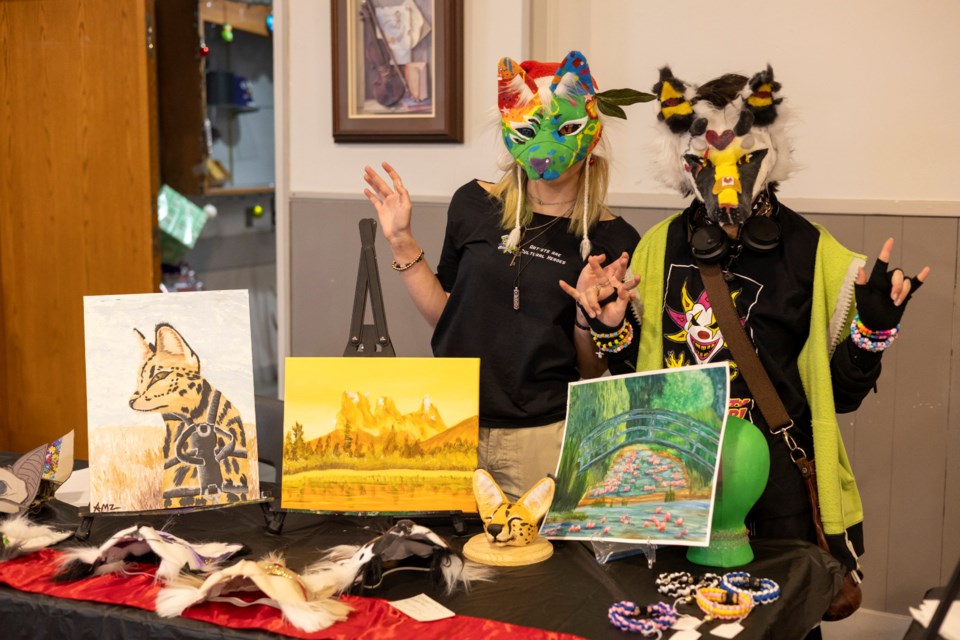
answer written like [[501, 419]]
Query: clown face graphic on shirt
[[690, 331]]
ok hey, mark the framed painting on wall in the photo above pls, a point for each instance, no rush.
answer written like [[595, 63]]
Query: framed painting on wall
[[397, 70]]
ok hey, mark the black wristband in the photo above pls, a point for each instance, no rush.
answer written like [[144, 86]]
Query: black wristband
[[595, 325]]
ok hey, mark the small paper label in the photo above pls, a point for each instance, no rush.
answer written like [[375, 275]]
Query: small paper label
[[729, 630], [687, 623], [422, 608], [687, 634]]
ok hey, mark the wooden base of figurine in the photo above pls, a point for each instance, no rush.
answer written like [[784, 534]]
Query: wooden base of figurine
[[478, 549]]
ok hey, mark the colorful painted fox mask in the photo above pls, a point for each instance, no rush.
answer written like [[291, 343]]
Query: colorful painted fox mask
[[725, 140], [549, 115]]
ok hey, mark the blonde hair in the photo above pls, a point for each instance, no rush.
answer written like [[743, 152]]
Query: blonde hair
[[512, 187]]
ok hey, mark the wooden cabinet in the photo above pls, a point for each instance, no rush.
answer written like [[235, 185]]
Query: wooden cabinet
[[212, 140]]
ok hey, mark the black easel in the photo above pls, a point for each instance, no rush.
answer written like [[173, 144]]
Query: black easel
[[365, 339]]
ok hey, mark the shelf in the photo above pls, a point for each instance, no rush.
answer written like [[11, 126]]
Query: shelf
[[239, 191], [236, 108]]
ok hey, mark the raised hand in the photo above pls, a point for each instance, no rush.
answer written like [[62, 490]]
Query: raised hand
[[613, 285], [391, 201], [882, 298]]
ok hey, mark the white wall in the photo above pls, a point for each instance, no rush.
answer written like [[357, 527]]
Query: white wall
[[493, 29], [873, 86]]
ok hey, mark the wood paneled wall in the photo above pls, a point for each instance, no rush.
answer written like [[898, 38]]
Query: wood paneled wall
[[904, 441], [77, 184]]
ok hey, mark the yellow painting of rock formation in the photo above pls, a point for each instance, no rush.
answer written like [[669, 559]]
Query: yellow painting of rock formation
[[380, 435]]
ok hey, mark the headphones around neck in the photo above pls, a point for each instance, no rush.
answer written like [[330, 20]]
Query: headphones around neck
[[710, 243]]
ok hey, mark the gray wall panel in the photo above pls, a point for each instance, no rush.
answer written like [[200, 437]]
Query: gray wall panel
[[902, 441]]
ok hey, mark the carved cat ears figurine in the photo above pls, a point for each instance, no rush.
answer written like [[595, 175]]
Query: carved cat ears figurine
[[511, 523]]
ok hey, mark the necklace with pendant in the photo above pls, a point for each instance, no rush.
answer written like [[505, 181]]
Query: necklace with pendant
[[518, 255]]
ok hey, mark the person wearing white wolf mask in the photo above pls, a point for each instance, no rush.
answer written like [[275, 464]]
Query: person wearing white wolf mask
[[817, 320]]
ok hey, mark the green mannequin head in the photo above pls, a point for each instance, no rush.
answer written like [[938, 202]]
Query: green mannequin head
[[744, 468]]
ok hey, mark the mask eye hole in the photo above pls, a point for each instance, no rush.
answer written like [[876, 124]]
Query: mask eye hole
[[524, 131], [572, 127]]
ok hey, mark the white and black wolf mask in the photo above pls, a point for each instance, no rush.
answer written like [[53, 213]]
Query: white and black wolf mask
[[724, 141]]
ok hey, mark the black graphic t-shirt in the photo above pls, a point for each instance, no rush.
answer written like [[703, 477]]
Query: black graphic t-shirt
[[773, 294], [527, 356]]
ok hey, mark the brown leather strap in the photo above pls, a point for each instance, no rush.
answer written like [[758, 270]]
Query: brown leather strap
[[748, 362], [764, 393]]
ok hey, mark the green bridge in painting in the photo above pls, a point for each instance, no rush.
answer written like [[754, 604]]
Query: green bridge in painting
[[697, 441]]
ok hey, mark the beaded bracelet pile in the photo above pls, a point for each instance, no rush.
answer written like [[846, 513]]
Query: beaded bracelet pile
[[762, 590], [722, 604], [614, 341], [872, 339], [682, 585], [658, 617]]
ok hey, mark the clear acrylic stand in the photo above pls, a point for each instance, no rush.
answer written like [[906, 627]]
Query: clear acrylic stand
[[605, 551]]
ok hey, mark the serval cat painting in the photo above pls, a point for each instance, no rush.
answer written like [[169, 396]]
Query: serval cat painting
[[205, 456], [170, 401]]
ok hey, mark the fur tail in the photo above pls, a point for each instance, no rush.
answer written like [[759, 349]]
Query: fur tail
[[315, 615], [179, 594]]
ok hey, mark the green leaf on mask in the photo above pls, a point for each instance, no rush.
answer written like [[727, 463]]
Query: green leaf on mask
[[610, 109], [625, 96], [608, 101]]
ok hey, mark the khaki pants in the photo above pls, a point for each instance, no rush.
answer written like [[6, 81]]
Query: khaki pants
[[518, 458]]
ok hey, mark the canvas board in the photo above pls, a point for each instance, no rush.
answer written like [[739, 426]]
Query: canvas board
[[170, 401], [640, 457], [380, 435]]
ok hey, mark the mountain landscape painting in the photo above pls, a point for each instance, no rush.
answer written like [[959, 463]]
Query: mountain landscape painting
[[380, 435]]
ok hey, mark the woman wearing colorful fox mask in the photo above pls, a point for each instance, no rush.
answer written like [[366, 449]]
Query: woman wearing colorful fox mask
[[817, 321], [494, 295]]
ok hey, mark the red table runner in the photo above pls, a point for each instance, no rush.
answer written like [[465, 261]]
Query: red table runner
[[372, 618]]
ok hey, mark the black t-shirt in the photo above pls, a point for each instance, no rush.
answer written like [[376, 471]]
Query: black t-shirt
[[527, 355]]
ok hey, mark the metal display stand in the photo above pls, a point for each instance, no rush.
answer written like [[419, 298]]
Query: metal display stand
[[366, 339]]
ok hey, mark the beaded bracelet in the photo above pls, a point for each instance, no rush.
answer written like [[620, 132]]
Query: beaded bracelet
[[404, 267], [762, 590], [722, 604], [872, 342], [614, 341], [683, 584], [875, 334], [626, 615]]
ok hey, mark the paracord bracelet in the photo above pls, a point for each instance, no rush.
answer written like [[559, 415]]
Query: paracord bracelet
[[659, 617], [683, 584], [722, 604], [762, 590]]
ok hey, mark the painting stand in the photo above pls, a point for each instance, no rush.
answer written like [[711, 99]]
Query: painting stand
[[87, 515], [606, 552], [365, 339]]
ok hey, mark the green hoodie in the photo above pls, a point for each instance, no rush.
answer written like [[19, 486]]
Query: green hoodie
[[833, 309]]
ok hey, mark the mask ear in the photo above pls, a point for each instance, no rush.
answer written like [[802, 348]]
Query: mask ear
[[539, 498], [675, 110], [573, 77], [513, 85], [488, 494], [762, 101]]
